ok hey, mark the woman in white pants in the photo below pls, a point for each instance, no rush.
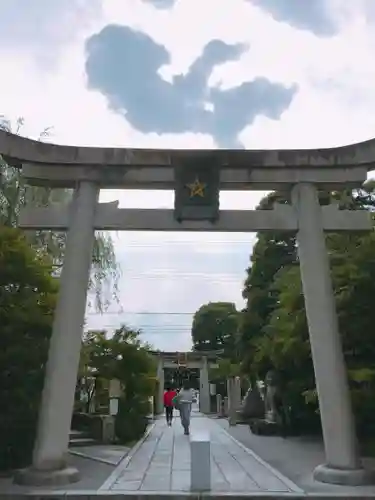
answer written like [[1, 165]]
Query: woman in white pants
[[185, 401]]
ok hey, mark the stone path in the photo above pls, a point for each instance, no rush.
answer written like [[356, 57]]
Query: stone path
[[162, 464], [107, 454], [296, 457]]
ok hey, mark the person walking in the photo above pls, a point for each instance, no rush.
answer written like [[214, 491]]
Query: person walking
[[169, 396], [185, 401]]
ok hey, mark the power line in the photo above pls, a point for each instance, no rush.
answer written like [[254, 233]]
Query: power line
[[140, 313], [172, 275], [178, 277], [150, 325], [162, 327], [162, 242], [156, 327], [175, 274], [142, 332], [167, 313], [228, 247]]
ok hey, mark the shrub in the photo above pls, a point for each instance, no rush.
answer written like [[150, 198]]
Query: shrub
[[124, 357], [132, 419], [27, 301]]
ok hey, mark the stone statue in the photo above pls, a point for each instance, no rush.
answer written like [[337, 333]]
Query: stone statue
[[270, 397], [252, 404]]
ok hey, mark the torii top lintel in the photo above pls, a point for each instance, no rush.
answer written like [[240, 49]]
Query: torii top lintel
[[188, 355], [19, 150]]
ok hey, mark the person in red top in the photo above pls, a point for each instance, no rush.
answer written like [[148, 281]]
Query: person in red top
[[169, 395]]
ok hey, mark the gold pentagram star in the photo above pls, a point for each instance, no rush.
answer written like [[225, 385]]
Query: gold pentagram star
[[196, 188]]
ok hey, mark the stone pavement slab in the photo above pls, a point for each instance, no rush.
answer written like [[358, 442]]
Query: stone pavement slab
[[108, 454], [93, 474], [296, 458], [162, 464]]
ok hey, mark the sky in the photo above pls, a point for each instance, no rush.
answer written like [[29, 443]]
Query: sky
[[187, 74]]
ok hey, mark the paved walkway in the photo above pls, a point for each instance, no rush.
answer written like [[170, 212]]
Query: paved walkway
[[162, 463], [296, 457]]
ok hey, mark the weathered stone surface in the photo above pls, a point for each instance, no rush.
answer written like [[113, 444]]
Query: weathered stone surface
[[20, 149], [146, 219], [34, 477], [347, 477], [264, 427], [163, 464], [200, 469], [253, 404]]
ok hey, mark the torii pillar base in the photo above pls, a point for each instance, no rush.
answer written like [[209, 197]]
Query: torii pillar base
[[36, 477], [344, 477]]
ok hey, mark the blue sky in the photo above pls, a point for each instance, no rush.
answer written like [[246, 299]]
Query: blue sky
[[192, 74]]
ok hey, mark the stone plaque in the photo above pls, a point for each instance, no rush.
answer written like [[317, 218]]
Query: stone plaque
[[212, 389], [197, 189], [113, 406], [115, 389]]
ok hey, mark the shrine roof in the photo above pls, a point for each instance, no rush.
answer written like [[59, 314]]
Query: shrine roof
[[17, 150]]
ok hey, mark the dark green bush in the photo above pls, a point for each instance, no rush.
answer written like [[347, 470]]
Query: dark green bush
[[27, 300], [125, 358], [132, 419]]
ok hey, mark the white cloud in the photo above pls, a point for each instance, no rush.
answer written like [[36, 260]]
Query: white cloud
[[41, 30], [335, 104]]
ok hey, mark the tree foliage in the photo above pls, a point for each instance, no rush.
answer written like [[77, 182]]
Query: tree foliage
[[279, 338], [273, 252], [215, 327], [124, 357], [14, 194], [225, 368], [27, 300]]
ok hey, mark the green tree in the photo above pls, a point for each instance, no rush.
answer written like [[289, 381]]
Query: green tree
[[125, 357], [284, 343], [225, 368], [273, 252], [27, 301], [13, 195], [284, 346], [215, 327]]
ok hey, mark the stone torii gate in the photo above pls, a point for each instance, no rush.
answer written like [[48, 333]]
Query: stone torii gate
[[195, 359], [87, 170]]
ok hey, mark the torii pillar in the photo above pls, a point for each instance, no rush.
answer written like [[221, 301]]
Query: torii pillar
[[160, 392], [343, 465], [204, 393], [49, 465]]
